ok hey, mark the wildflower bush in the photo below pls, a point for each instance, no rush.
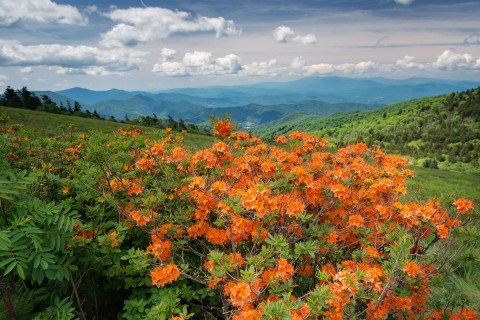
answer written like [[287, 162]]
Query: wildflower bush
[[239, 230]]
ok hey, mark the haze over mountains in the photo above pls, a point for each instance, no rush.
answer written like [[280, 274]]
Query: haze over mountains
[[251, 105]]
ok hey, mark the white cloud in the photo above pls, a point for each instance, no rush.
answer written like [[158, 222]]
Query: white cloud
[[199, 63], [167, 54], [140, 25], [408, 62], [285, 34], [262, 68], [447, 61], [91, 9], [71, 59], [42, 11], [26, 70], [404, 2], [299, 67], [451, 61]]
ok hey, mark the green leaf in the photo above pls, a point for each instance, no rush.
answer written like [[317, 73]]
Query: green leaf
[[21, 272], [4, 241], [10, 267], [6, 261]]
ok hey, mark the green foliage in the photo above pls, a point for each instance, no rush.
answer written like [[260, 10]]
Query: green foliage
[[444, 130]]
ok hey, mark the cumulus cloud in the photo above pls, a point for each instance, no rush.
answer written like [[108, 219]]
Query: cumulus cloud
[[199, 63], [167, 54], [408, 62], [446, 61], [140, 25], [404, 2], [71, 59], [42, 11], [299, 66], [285, 34], [262, 68], [450, 61]]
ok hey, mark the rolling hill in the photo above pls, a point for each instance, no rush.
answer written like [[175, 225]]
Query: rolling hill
[[264, 102], [441, 129]]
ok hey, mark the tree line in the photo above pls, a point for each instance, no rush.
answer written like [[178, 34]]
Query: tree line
[[26, 99]]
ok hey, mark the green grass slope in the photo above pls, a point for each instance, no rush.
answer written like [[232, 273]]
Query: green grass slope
[[48, 124]]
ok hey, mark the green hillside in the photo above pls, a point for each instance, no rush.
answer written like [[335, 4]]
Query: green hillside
[[48, 124], [442, 130]]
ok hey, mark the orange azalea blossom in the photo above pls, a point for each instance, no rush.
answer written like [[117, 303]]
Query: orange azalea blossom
[[144, 163], [222, 128], [113, 239], [372, 252], [135, 189], [220, 147], [442, 231], [284, 269], [179, 153], [158, 149], [163, 275], [216, 236], [306, 270], [356, 221], [464, 314], [281, 139], [219, 186], [140, 219], [412, 269], [463, 205], [239, 293], [178, 318], [161, 249]]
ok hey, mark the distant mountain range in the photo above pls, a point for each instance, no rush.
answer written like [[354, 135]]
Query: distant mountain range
[[251, 105]]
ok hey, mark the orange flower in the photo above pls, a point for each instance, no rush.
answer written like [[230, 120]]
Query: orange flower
[[216, 236], [219, 186], [442, 231], [463, 205], [220, 147], [281, 139], [163, 275], [464, 314], [157, 149], [161, 249], [222, 128], [305, 270], [135, 189], [239, 293], [412, 269], [66, 189], [372, 252], [356, 221], [114, 240], [144, 163], [140, 219], [179, 153], [284, 269]]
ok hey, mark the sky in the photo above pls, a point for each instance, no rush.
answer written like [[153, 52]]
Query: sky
[[160, 44]]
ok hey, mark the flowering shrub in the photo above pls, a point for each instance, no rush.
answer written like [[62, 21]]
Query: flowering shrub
[[288, 230], [241, 229]]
